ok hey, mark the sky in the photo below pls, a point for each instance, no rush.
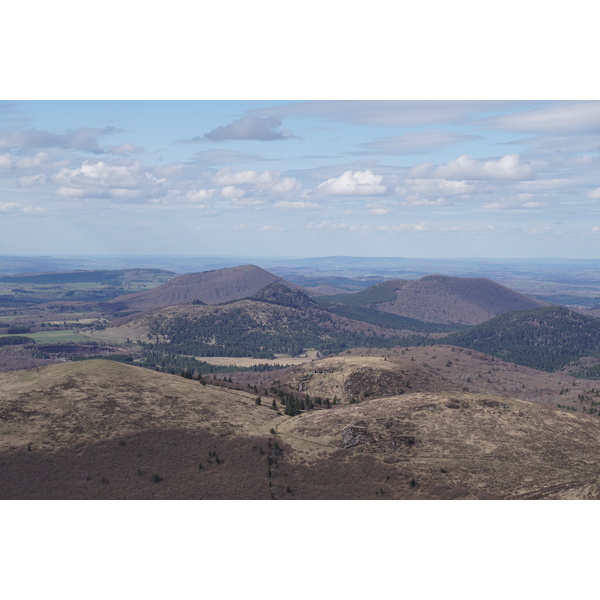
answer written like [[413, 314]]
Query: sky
[[301, 178], [242, 130]]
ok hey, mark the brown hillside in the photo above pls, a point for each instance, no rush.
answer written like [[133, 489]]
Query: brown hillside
[[478, 372], [356, 378], [443, 299], [209, 287], [448, 445], [99, 429]]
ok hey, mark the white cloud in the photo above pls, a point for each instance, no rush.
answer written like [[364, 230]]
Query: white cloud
[[33, 162], [248, 201], [200, 195], [9, 207], [508, 167], [519, 202], [295, 205], [378, 209], [407, 227], [231, 191], [12, 208], [125, 149], [6, 160], [31, 180], [71, 192], [102, 174], [417, 200], [285, 186], [227, 177], [437, 186], [416, 142], [562, 118], [594, 194], [354, 183]]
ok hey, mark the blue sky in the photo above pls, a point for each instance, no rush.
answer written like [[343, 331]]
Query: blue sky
[[301, 178], [391, 175]]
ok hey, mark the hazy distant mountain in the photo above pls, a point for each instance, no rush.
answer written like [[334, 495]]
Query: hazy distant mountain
[[208, 287], [440, 299]]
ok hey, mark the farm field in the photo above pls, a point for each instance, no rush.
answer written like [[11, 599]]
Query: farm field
[[53, 337]]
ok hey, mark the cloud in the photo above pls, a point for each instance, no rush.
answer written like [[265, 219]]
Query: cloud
[[227, 177], [354, 183], [296, 205], [84, 138], [103, 174], [199, 198], [417, 200], [6, 161], [594, 194], [260, 184], [249, 128], [231, 191], [378, 209], [31, 180], [519, 202], [13, 208], [560, 118], [436, 186], [9, 207], [416, 142], [391, 113], [125, 149], [509, 167]]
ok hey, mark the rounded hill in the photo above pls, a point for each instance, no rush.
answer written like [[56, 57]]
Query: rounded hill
[[208, 287], [355, 378], [441, 299]]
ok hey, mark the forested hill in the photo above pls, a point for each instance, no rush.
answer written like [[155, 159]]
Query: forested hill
[[283, 295], [546, 338]]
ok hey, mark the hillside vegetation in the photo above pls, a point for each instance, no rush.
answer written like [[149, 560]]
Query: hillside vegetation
[[259, 329], [545, 338], [99, 429]]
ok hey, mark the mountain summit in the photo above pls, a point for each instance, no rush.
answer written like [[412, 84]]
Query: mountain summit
[[441, 299], [208, 287]]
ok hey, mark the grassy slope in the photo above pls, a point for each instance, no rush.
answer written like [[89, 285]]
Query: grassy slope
[[104, 430]]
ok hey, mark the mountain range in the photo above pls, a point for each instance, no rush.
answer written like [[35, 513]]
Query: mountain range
[[419, 392]]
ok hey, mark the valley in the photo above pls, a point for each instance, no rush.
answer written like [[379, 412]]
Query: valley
[[237, 383]]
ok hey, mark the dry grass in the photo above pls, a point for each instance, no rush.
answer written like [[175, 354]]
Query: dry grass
[[359, 377], [474, 371], [95, 400], [486, 446], [100, 429], [227, 361]]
